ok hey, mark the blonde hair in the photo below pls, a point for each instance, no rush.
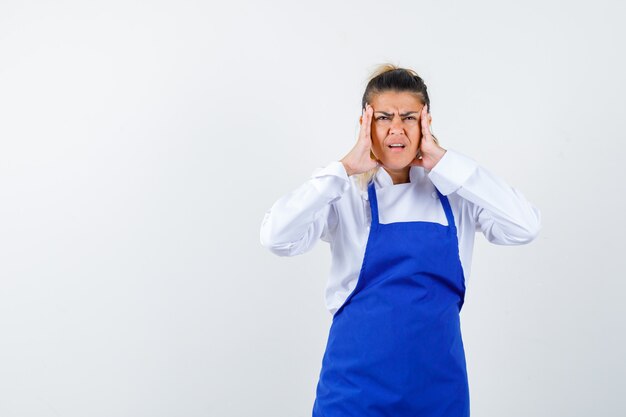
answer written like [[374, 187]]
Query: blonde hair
[[390, 77]]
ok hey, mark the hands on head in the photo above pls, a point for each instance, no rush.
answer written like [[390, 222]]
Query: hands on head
[[361, 158], [429, 152]]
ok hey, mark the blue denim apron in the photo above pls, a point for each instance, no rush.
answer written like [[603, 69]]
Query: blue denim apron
[[394, 348]]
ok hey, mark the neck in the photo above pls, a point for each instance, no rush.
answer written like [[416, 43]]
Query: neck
[[399, 176]]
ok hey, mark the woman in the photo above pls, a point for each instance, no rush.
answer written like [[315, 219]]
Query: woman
[[401, 251]]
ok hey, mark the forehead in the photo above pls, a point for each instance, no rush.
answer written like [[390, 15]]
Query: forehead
[[393, 100]]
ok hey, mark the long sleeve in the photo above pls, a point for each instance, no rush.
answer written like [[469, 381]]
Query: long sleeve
[[500, 211], [297, 220]]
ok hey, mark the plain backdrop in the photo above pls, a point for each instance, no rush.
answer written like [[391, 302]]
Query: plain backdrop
[[141, 143]]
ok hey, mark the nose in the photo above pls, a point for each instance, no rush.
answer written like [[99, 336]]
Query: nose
[[397, 126]]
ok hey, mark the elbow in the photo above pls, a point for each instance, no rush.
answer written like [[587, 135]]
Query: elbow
[[270, 240], [275, 247], [529, 233], [285, 240], [532, 232], [518, 235], [534, 228]]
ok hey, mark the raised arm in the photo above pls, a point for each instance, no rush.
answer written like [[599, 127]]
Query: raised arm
[[297, 220], [501, 212]]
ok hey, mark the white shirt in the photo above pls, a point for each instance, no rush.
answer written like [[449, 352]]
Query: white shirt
[[332, 207]]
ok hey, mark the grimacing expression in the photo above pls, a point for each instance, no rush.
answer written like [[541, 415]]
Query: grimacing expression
[[396, 128]]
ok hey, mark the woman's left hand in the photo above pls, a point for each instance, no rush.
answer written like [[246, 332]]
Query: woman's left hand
[[429, 151]]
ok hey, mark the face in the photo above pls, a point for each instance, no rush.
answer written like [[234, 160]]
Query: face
[[396, 121]]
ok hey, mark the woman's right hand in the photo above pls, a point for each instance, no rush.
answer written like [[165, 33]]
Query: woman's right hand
[[358, 160]]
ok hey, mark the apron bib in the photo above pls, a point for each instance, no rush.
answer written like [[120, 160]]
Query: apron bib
[[394, 346]]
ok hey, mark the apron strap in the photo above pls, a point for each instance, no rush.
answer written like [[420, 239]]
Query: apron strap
[[373, 203], [447, 209]]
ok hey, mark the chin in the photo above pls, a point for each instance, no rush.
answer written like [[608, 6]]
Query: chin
[[395, 164]]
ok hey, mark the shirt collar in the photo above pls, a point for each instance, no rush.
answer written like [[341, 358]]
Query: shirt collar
[[383, 179]]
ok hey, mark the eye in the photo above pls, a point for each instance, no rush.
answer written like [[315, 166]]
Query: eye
[[381, 117], [411, 117]]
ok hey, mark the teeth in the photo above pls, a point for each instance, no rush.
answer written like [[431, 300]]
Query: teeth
[[396, 145]]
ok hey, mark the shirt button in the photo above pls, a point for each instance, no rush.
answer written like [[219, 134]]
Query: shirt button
[[434, 194]]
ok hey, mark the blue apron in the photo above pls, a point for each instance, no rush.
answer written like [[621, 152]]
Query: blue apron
[[394, 346]]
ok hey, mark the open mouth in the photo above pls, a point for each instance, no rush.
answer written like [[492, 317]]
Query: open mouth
[[396, 147]]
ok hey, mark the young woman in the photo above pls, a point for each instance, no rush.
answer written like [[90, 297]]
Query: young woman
[[400, 213]]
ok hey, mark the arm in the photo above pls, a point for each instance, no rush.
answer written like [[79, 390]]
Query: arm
[[297, 220], [500, 211]]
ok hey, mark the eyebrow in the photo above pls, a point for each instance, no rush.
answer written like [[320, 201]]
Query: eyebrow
[[391, 114]]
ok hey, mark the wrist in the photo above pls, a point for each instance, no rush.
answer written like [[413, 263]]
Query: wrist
[[349, 170], [439, 155]]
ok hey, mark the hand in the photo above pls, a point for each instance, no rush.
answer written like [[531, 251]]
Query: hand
[[358, 160], [429, 152]]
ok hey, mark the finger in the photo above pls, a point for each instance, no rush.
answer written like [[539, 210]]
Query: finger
[[364, 120], [424, 118], [363, 125], [369, 112]]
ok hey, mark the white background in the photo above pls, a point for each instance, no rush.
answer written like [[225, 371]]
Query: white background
[[141, 143]]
